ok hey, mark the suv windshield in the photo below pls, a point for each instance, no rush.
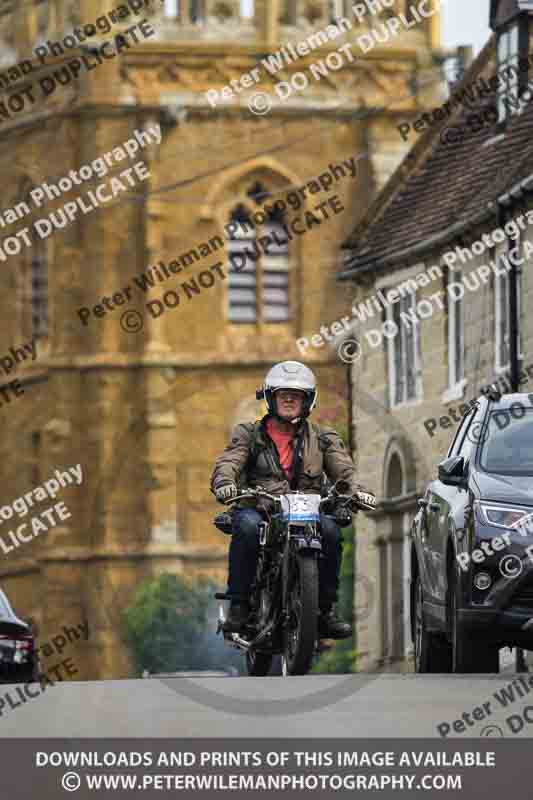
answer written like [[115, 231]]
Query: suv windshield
[[507, 446]]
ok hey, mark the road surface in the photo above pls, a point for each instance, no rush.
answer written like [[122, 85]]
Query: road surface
[[313, 706]]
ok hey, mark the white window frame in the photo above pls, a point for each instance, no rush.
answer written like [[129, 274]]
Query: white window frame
[[171, 9], [498, 344], [507, 56], [457, 380], [266, 265], [403, 332], [503, 249]]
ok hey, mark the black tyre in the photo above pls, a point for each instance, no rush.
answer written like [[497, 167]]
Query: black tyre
[[258, 664], [432, 652], [470, 653], [300, 634]]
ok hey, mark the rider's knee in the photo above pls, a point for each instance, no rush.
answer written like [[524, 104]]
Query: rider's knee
[[248, 526]]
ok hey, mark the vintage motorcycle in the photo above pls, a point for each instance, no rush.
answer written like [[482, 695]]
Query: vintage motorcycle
[[284, 595]]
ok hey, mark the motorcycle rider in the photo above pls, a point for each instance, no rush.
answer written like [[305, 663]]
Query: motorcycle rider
[[283, 452]]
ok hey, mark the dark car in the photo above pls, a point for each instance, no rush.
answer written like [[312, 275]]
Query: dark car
[[472, 549], [18, 658]]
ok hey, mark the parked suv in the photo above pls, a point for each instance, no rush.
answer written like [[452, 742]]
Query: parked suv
[[472, 549]]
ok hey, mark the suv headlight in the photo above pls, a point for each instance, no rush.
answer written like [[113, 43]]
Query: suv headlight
[[508, 517]]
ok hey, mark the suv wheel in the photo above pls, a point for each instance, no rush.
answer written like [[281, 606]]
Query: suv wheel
[[432, 651], [470, 653]]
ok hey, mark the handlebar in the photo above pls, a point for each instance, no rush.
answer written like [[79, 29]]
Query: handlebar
[[259, 492], [333, 494]]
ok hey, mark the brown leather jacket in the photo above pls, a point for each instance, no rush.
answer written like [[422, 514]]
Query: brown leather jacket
[[316, 451]]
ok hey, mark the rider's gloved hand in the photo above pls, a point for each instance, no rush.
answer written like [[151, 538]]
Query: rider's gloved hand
[[226, 492], [366, 500], [343, 516]]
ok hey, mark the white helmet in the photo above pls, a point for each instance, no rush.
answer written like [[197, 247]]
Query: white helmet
[[289, 375]]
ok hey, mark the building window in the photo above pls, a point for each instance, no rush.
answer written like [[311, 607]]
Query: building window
[[39, 291], [196, 10], [336, 9], [258, 274], [502, 317], [35, 458], [403, 342], [171, 8], [185, 10], [456, 334], [243, 269], [34, 293], [508, 52], [501, 298], [247, 10]]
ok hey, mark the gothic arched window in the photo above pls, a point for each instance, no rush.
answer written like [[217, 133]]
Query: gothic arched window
[[258, 254]]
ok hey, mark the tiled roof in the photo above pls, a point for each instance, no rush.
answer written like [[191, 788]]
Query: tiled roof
[[440, 184]]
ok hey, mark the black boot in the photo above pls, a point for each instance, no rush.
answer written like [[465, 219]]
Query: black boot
[[238, 613], [330, 626]]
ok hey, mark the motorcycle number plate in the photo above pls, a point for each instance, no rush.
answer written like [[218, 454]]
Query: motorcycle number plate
[[304, 507]]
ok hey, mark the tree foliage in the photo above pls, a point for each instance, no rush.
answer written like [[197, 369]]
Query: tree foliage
[[167, 627]]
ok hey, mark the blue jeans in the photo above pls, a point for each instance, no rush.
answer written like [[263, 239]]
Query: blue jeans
[[244, 551]]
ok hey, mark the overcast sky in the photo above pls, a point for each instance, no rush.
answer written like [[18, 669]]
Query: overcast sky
[[465, 22]]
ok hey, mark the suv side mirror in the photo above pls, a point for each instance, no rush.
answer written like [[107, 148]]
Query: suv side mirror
[[452, 471]]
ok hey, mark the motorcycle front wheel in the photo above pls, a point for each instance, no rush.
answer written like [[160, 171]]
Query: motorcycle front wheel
[[300, 633]]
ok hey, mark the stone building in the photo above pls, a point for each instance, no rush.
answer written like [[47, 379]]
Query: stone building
[[429, 264], [143, 396]]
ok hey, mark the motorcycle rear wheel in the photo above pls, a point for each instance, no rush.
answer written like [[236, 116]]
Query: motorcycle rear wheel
[[300, 634]]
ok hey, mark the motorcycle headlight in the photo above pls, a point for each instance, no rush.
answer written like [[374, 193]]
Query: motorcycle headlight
[[507, 516]]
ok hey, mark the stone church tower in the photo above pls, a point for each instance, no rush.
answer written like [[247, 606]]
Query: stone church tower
[[145, 401]]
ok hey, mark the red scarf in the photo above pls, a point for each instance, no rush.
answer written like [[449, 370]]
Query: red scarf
[[284, 444]]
